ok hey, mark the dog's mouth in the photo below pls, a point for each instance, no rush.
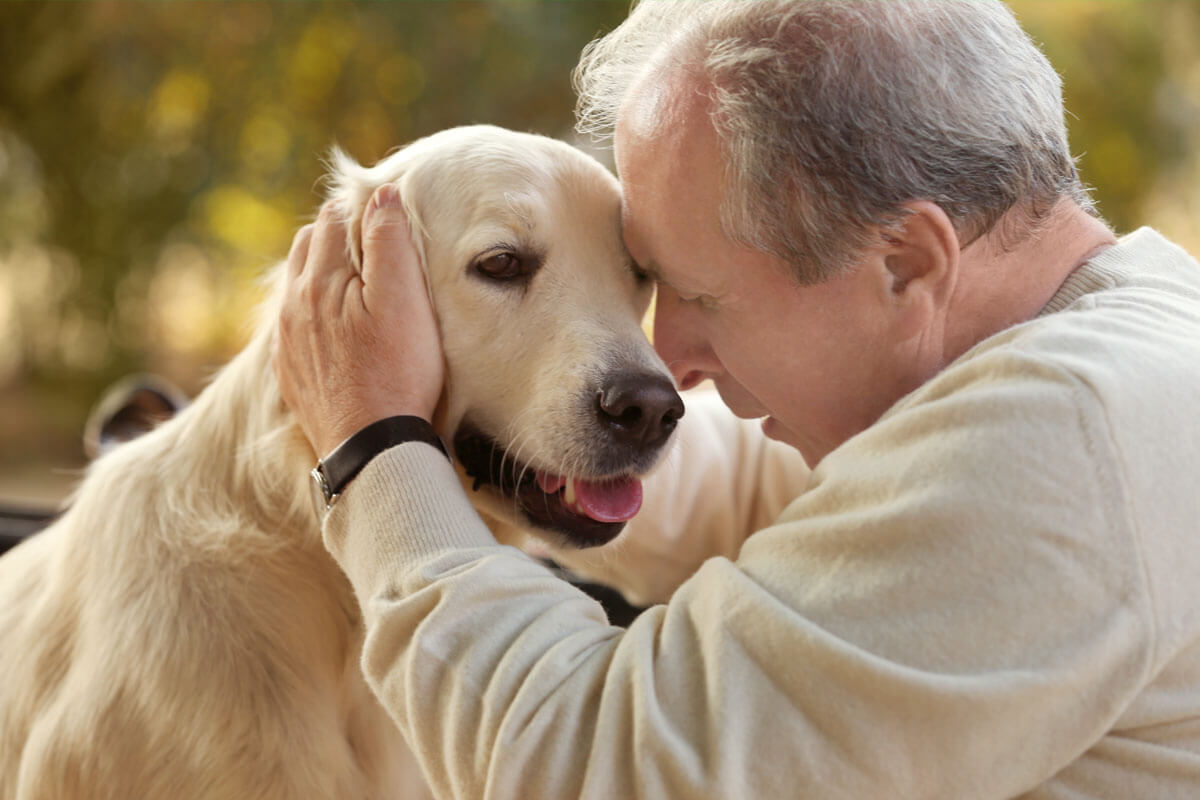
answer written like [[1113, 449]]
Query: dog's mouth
[[588, 511]]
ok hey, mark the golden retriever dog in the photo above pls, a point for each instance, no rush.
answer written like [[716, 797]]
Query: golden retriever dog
[[180, 632]]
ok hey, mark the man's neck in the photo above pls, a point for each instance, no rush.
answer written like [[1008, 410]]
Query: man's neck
[[999, 286]]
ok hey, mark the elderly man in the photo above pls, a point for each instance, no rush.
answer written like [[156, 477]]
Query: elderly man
[[866, 228]]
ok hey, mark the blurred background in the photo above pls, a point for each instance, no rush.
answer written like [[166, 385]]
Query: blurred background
[[156, 158]]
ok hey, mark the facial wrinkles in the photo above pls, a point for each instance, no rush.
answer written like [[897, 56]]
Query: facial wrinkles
[[668, 228], [687, 273], [652, 119]]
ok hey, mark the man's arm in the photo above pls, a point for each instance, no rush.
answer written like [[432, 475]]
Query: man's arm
[[953, 609]]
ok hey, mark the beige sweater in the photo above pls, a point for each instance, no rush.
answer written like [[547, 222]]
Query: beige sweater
[[993, 592]]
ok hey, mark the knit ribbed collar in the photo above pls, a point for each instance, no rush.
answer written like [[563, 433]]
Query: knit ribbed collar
[[1106, 270]]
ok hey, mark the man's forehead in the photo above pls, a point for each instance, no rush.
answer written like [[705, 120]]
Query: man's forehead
[[651, 106], [658, 104]]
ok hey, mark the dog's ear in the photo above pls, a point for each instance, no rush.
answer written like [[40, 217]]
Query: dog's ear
[[410, 199], [351, 186]]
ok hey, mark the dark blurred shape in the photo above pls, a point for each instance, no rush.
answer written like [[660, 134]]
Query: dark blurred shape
[[620, 612], [128, 409], [16, 524]]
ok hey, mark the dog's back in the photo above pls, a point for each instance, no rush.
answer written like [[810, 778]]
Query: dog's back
[[180, 632]]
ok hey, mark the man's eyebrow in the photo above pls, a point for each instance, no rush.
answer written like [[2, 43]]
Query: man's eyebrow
[[649, 269]]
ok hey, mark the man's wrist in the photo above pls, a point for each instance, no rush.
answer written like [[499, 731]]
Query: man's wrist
[[341, 465], [334, 428]]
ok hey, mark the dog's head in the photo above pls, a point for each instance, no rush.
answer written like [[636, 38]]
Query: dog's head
[[555, 403]]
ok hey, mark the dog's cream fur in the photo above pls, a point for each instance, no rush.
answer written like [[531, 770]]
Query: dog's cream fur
[[181, 632]]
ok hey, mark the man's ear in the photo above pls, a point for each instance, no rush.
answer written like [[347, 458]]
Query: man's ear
[[921, 257]]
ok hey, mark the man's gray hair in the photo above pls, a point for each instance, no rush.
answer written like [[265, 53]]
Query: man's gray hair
[[834, 113]]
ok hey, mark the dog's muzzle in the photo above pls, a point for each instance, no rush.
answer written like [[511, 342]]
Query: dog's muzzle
[[631, 418]]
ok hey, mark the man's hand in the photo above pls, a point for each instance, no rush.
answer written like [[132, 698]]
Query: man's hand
[[351, 348]]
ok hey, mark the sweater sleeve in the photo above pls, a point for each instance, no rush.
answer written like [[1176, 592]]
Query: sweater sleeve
[[722, 480], [955, 608]]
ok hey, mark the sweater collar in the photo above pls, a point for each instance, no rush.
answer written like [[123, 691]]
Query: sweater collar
[[1106, 270]]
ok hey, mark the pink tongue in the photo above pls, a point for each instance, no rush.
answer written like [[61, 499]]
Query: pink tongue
[[615, 500], [609, 501]]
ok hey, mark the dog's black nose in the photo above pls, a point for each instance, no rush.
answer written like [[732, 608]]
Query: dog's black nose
[[639, 409]]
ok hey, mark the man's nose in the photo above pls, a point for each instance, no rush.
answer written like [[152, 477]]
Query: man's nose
[[680, 341]]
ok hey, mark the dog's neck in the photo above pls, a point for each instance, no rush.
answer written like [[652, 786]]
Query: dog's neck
[[241, 416], [234, 460]]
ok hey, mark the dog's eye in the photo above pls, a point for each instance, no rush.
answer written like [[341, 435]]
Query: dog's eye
[[506, 266]]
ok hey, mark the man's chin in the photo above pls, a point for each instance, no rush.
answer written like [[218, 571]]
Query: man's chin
[[774, 429], [741, 404]]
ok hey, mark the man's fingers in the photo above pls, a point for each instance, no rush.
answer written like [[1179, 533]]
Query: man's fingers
[[328, 276], [391, 265], [343, 360], [327, 252], [299, 252]]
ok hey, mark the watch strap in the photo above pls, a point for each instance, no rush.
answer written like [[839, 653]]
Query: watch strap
[[341, 466]]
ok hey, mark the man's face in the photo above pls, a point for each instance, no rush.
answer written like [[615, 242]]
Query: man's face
[[816, 361]]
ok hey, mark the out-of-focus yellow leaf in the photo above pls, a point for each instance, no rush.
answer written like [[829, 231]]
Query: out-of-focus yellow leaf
[[265, 141], [399, 79], [317, 60], [246, 222], [179, 103], [182, 295]]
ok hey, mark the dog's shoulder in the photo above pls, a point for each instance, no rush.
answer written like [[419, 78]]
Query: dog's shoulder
[[202, 651]]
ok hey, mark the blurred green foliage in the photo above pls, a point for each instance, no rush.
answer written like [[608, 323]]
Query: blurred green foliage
[[155, 158], [1131, 74]]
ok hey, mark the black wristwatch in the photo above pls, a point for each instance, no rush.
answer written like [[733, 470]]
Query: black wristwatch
[[336, 470]]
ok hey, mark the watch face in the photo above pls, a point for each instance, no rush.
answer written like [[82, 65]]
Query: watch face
[[320, 492]]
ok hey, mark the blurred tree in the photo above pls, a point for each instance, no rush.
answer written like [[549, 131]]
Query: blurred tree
[[155, 158], [1126, 69]]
